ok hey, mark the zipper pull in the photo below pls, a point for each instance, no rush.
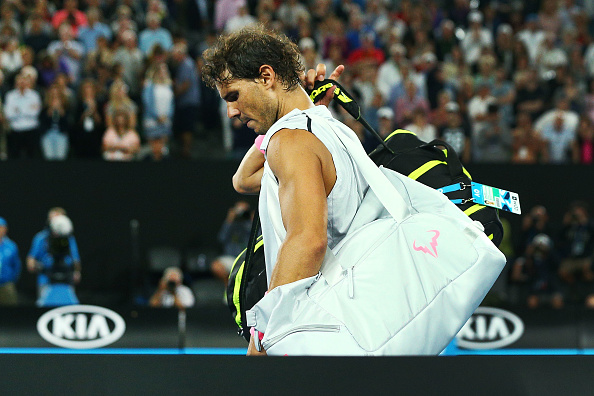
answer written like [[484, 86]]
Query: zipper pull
[[351, 283]]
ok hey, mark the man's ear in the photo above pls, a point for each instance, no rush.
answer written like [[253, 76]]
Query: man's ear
[[267, 76]]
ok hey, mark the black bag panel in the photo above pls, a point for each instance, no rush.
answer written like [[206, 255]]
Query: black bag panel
[[254, 288]]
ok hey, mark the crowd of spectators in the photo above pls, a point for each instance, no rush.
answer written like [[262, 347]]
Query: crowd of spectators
[[500, 80]]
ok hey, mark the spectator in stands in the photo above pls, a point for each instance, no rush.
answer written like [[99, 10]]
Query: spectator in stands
[[69, 51], [385, 118], [532, 37], [388, 74], [132, 60], [477, 37], [11, 59], [71, 15], [530, 95], [241, 20], [583, 146], [54, 125], [233, 237], [120, 101], [21, 109], [120, 141], [576, 244], [527, 146], [505, 95], [103, 53], [9, 19], [421, 127], [10, 266], [535, 222], [439, 116], [406, 104], [89, 34], [158, 107], [187, 97], [154, 34], [55, 259], [536, 268], [457, 132], [123, 21], [88, 131], [504, 47], [38, 33], [171, 292], [560, 137]]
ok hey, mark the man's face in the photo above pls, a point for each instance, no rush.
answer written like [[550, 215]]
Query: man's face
[[3, 230], [250, 102]]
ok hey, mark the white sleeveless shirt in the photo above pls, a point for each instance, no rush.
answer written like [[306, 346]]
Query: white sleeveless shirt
[[345, 197]]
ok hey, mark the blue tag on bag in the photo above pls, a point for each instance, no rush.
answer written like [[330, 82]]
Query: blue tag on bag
[[496, 198]]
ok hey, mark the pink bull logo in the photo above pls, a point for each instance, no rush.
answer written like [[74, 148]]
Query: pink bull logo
[[432, 244]]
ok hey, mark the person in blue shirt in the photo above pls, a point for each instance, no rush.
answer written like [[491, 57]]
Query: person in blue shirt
[[54, 257], [89, 34], [10, 267]]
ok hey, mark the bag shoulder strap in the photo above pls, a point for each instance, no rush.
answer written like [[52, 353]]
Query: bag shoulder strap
[[379, 183]]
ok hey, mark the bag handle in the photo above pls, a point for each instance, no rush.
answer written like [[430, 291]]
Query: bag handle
[[379, 183]]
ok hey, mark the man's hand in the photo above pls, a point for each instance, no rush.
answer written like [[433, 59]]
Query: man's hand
[[319, 74], [252, 351]]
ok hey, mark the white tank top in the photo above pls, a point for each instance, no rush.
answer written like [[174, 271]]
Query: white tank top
[[345, 197]]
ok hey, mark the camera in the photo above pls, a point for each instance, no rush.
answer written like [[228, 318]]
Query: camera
[[59, 272], [171, 286]]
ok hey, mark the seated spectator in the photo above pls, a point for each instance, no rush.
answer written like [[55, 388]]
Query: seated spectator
[[131, 59], [576, 244], [158, 108], [54, 125], [71, 15], [89, 34], [89, 125], [21, 109], [530, 95], [102, 54], [421, 127], [560, 137], [456, 132], [119, 100], [477, 37], [123, 21], [187, 97], [66, 49], [583, 146], [171, 292], [11, 59], [239, 21], [10, 19], [385, 119], [388, 74], [439, 116], [120, 141], [49, 68], [154, 34], [406, 104], [536, 268], [527, 146], [10, 267], [233, 237]]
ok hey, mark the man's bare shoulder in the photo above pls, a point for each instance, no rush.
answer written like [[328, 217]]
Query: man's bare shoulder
[[298, 143]]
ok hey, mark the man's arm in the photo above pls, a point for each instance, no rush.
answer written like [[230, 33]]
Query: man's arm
[[306, 175], [248, 176]]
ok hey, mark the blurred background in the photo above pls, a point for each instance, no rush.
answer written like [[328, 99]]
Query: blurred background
[[104, 118]]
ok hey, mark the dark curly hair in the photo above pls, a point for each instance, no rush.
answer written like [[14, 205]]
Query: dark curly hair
[[241, 54]]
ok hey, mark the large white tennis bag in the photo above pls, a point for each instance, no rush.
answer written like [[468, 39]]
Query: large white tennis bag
[[406, 278]]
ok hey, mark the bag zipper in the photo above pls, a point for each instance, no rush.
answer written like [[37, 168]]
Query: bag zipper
[[320, 328]]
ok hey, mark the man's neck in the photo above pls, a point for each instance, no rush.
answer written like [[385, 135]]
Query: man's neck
[[296, 99]]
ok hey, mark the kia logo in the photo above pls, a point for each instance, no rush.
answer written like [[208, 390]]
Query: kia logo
[[81, 326], [490, 328]]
